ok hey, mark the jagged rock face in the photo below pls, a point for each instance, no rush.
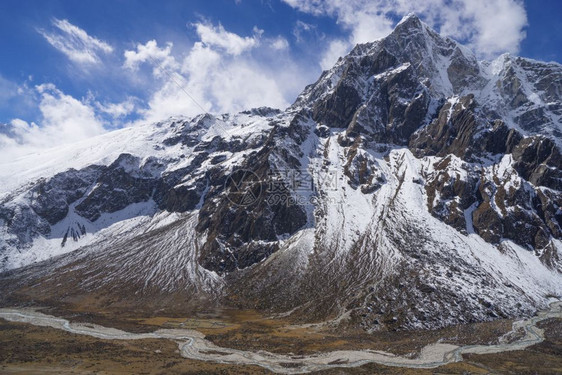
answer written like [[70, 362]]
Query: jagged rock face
[[538, 160], [503, 210], [116, 188], [50, 199], [249, 231], [414, 187], [449, 195]]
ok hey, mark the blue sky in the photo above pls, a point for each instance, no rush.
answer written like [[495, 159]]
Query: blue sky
[[74, 69]]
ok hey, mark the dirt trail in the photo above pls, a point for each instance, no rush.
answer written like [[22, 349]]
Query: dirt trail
[[193, 345]]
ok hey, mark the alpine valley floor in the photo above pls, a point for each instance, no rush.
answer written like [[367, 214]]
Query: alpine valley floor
[[34, 342]]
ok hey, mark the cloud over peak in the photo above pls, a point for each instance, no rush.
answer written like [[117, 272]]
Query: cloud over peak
[[490, 27], [220, 73]]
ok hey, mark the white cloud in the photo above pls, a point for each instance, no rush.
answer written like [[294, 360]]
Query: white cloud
[[75, 43], [223, 72], [63, 114], [231, 43], [64, 119], [363, 18], [500, 25], [279, 43], [490, 27], [160, 57], [173, 94], [117, 110]]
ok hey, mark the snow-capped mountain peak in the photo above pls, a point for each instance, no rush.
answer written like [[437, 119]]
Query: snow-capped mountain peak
[[410, 186]]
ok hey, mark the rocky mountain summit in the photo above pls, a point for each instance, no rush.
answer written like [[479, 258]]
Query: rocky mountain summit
[[411, 186]]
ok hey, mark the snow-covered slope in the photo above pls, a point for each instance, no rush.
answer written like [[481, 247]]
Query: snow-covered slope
[[50, 200], [411, 186]]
